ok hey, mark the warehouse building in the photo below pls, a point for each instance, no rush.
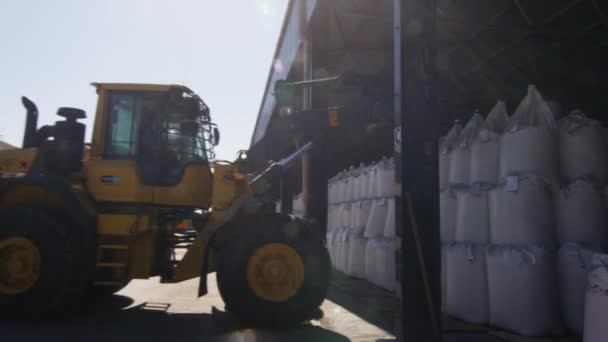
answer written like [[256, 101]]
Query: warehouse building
[[390, 79]]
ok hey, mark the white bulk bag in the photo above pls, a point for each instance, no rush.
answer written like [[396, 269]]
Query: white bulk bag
[[372, 190], [364, 183], [345, 181], [447, 214], [378, 177], [337, 216], [354, 213], [485, 146], [349, 185], [389, 224], [336, 247], [445, 148], [340, 187], [582, 146], [346, 215], [528, 146], [342, 250], [355, 187], [337, 223], [360, 190], [385, 264], [581, 214], [335, 182], [523, 290], [333, 245], [377, 218], [363, 211], [329, 236], [472, 216], [484, 157], [573, 266], [497, 119], [330, 217], [460, 157], [596, 305], [386, 178], [370, 259], [467, 283], [521, 212], [355, 265]]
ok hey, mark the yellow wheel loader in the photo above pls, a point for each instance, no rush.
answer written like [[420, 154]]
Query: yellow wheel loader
[[145, 199]]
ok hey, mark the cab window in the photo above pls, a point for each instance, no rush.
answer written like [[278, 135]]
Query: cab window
[[126, 112]]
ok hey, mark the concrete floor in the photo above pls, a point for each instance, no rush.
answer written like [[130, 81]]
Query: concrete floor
[[147, 310], [355, 310], [458, 331]]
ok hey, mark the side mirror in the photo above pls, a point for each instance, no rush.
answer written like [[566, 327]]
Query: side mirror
[[216, 136]]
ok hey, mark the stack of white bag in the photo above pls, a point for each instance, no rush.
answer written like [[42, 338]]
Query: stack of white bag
[[522, 269], [581, 212], [464, 215], [447, 195], [530, 185], [380, 229], [582, 220], [361, 218]]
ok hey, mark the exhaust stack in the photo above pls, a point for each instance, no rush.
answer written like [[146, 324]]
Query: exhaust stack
[[31, 122]]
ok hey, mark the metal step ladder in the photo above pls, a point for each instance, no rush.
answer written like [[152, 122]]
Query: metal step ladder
[[112, 265]]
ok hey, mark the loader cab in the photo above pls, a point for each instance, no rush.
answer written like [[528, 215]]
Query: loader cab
[[151, 144]]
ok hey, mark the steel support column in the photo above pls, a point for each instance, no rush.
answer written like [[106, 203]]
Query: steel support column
[[306, 100], [418, 253]]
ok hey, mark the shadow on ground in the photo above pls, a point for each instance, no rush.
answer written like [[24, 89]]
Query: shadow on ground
[[113, 320], [369, 302]]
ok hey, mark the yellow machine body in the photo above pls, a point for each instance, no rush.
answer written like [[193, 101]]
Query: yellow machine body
[[131, 217]]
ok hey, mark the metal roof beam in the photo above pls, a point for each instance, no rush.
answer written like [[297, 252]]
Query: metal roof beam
[[366, 16], [542, 52], [523, 12], [499, 52], [484, 28]]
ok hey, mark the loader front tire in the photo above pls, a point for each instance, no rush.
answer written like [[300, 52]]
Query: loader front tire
[[275, 272], [37, 265]]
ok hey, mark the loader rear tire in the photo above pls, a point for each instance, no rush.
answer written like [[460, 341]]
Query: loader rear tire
[[38, 258], [274, 272]]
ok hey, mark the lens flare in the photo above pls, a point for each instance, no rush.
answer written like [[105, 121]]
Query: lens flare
[[278, 66]]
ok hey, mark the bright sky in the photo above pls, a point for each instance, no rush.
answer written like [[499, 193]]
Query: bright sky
[[51, 51]]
